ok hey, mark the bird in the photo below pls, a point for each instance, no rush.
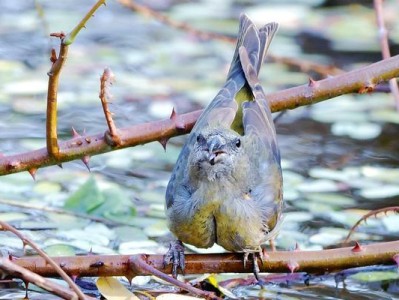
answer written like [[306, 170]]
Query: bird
[[226, 186]]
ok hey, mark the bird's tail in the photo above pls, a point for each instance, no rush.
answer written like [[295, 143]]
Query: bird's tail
[[255, 41]]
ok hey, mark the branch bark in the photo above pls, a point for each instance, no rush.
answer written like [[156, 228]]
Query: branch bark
[[13, 270], [278, 261], [384, 44], [358, 81]]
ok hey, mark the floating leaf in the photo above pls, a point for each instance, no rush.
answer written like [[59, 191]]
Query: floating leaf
[[382, 191], [60, 250], [380, 173], [13, 216], [359, 130], [391, 223], [387, 115], [375, 276], [129, 233], [335, 200], [116, 203], [87, 198], [157, 229], [326, 238], [322, 185], [329, 174], [136, 247], [112, 289], [176, 297]]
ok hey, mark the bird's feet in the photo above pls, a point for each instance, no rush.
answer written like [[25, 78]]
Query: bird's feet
[[175, 256], [255, 254]]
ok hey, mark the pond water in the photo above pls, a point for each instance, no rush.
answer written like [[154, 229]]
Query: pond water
[[340, 157]]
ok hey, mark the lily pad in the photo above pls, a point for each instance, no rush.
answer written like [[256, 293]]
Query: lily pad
[[375, 276], [359, 131]]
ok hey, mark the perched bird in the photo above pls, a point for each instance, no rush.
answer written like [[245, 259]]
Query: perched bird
[[226, 186]]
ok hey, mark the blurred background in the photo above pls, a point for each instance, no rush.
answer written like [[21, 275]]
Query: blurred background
[[340, 157]]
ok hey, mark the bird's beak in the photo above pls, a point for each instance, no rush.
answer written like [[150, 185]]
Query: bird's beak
[[215, 148]]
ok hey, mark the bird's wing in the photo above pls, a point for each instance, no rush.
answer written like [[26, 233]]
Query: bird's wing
[[260, 132], [257, 117]]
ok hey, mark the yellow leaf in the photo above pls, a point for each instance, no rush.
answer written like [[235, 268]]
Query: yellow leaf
[[176, 296], [112, 289]]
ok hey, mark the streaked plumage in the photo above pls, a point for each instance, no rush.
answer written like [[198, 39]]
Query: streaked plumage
[[226, 187]]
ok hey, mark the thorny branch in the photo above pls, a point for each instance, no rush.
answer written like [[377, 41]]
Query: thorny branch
[[357, 81], [107, 79], [11, 269], [370, 214], [276, 262], [53, 82], [383, 35], [48, 260]]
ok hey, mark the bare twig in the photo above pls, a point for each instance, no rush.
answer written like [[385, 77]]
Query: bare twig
[[52, 91], [16, 271], [360, 80], [48, 260], [53, 82], [70, 38], [304, 66], [383, 36], [368, 215], [139, 264], [106, 80]]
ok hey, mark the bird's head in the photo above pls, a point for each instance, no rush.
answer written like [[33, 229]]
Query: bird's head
[[215, 153]]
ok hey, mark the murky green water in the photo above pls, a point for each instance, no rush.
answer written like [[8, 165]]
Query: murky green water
[[340, 157]]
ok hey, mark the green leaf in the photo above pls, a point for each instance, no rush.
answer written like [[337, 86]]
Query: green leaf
[[116, 203], [375, 276], [86, 199], [60, 250]]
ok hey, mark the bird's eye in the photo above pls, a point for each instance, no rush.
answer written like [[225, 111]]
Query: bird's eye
[[238, 143], [199, 138]]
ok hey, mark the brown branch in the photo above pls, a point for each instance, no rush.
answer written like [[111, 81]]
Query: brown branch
[[360, 80], [53, 82], [132, 5], [140, 264], [370, 214], [107, 79], [304, 66], [52, 92], [14, 270], [278, 261], [383, 36], [59, 271]]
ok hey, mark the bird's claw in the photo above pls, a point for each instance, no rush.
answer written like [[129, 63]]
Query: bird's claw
[[175, 256], [255, 254]]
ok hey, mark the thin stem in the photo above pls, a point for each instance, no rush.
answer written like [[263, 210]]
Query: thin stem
[[383, 36], [19, 272], [368, 215], [106, 80], [70, 38], [48, 259], [52, 92], [53, 83]]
